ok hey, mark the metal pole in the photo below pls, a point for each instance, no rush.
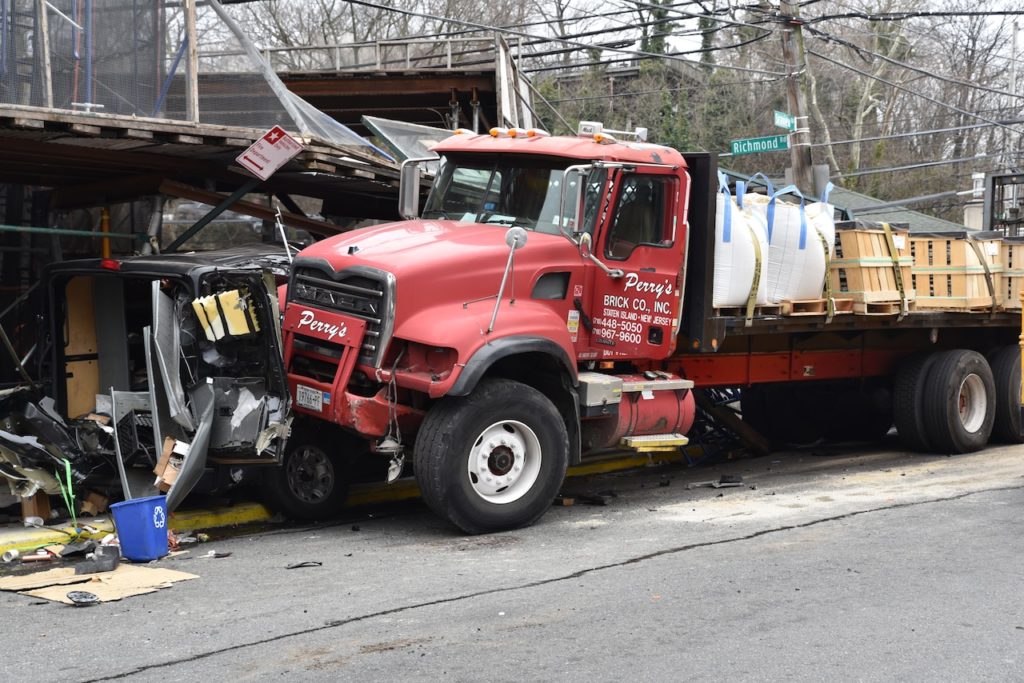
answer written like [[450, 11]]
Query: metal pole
[[216, 211], [191, 64], [793, 54], [88, 55], [44, 46]]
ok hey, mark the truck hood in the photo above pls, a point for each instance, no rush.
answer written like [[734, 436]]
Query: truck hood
[[435, 247], [439, 263]]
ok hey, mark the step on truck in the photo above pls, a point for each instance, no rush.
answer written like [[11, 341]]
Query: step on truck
[[553, 300]]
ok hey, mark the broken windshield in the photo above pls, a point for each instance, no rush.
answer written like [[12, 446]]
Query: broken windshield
[[506, 190]]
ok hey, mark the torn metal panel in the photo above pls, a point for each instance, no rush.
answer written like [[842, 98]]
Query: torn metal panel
[[123, 403], [195, 462], [26, 481], [52, 432], [29, 451], [166, 337], [241, 412]]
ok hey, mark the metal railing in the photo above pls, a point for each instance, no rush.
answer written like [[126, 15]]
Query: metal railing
[[379, 55]]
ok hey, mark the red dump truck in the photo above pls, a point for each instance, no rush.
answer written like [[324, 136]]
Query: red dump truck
[[552, 300]]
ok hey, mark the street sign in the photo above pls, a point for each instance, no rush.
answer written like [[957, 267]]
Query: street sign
[[784, 120], [772, 143], [269, 153]]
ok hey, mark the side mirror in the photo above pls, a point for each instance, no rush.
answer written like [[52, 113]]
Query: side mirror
[[409, 190], [586, 244]]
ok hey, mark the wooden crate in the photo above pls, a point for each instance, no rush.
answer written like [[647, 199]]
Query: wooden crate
[[949, 273], [1012, 255], [864, 269]]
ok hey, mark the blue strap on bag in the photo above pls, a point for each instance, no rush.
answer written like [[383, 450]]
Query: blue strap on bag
[[789, 189], [723, 186], [824, 195]]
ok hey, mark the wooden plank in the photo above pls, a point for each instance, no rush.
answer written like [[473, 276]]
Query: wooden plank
[[137, 134], [85, 129], [731, 421], [188, 139], [33, 124]]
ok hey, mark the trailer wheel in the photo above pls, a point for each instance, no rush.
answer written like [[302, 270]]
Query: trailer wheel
[[312, 481], [1006, 372], [959, 402], [493, 460], [908, 402]]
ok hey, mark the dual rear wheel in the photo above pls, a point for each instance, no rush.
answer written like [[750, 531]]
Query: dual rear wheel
[[956, 401]]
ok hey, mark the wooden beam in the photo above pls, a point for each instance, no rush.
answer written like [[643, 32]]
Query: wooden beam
[[43, 31]]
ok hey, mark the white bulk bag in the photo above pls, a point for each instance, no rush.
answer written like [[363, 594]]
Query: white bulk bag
[[741, 253], [801, 240]]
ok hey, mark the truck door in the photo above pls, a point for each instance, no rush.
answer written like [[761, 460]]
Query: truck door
[[637, 314]]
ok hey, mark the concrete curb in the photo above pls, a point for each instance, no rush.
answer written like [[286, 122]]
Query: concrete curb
[[25, 539]]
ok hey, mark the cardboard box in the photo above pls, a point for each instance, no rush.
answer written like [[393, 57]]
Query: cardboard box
[[94, 503], [36, 506]]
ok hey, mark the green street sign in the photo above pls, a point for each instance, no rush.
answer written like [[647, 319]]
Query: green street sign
[[784, 120], [772, 143]]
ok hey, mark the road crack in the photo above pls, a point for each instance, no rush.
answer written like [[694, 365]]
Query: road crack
[[545, 582]]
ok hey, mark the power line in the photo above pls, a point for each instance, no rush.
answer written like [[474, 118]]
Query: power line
[[916, 133], [924, 164], [657, 91], [902, 16], [909, 90], [555, 67], [524, 34], [830, 38]]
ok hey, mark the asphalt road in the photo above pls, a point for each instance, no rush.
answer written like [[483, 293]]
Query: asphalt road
[[825, 565]]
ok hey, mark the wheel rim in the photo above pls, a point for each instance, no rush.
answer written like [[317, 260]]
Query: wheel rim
[[310, 474], [972, 403], [504, 462]]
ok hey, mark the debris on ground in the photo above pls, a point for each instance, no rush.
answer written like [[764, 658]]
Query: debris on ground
[[725, 481], [303, 565], [594, 498], [565, 501], [125, 581]]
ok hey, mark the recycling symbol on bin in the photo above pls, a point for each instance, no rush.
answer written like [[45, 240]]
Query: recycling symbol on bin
[[159, 518]]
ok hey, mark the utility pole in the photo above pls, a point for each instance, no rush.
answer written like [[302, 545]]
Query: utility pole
[[793, 54]]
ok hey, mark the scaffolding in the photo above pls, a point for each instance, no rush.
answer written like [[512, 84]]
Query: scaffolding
[[140, 59]]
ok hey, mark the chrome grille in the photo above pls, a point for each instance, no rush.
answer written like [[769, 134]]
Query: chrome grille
[[356, 294]]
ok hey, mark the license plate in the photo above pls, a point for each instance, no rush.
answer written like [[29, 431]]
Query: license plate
[[309, 398]]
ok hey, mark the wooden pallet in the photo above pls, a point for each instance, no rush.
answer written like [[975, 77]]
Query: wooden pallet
[[952, 274], [865, 268], [801, 307], [1012, 256], [954, 303], [741, 311], [880, 307]]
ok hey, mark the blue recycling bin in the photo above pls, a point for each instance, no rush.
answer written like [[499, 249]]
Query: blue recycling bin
[[142, 527]]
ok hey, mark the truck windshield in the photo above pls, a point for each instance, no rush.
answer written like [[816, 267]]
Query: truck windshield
[[507, 190]]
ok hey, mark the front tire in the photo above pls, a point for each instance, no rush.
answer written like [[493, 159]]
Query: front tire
[[959, 402], [312, 481], [493, 460]]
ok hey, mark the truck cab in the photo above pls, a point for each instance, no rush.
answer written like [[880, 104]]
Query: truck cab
[[494, 336]]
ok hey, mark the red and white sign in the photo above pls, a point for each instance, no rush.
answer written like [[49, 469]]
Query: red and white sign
[[269, 153]]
